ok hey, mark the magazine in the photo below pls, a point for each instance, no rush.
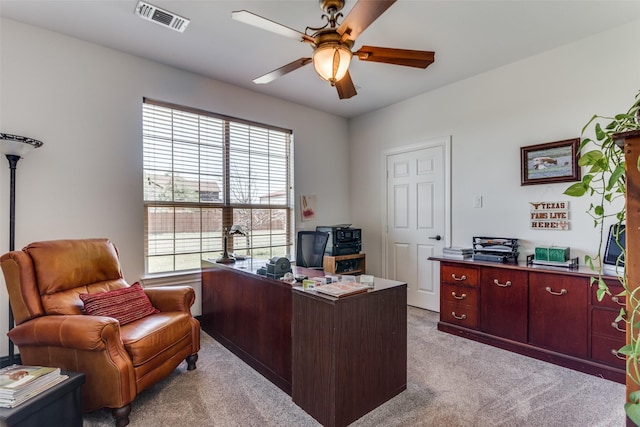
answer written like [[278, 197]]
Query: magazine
[[341, 289], [6, 402], [19, 382]]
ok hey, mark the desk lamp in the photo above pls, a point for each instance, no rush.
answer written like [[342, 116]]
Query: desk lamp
[[234, 230]]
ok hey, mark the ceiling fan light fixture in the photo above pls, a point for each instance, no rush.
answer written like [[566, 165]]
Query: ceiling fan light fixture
[[331, 61]]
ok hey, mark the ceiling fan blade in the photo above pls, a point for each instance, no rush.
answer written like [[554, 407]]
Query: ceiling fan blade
[[346, 88], [279, 72], [363, 13], [269, 25], [406, 57]]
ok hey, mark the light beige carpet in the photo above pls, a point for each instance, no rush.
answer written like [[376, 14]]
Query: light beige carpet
[[451, 382]]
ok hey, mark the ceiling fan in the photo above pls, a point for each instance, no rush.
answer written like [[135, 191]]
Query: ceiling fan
[[332, 43]]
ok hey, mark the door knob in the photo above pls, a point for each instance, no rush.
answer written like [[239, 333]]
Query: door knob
[[436, 237]]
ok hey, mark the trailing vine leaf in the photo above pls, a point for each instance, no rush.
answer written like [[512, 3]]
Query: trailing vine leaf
[[633, 412], [605, 181], [577, 190]]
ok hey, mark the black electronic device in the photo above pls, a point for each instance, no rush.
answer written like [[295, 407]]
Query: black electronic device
[[343, 239], [613, 261], [492, 257], [276, 268], [346, 265]]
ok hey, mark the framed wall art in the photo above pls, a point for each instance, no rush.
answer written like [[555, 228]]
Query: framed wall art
[[550, 162], [308, 207]]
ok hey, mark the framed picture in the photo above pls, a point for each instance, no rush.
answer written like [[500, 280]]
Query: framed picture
[[549, 163], [308, 207]]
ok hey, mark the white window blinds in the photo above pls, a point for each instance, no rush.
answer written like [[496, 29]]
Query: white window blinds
[[205, 172]]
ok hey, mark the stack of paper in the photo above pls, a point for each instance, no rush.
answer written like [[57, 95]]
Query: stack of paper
[[456, 252], [19, 383]]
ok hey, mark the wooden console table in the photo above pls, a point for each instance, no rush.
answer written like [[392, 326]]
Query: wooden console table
[[547, 313]]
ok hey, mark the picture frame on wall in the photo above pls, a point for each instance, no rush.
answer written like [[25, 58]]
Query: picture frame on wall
[[550, 162]]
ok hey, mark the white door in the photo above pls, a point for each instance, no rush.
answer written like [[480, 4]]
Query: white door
[[417, 218]]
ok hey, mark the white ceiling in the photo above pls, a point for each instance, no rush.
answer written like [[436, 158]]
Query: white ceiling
[[469, 37]]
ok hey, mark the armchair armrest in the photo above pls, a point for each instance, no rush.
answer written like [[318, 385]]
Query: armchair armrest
[[171, 298], [79, 332]]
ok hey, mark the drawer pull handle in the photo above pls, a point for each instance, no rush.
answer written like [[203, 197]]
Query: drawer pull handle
[[617, 354], [463, 296], [615, 326], [459, 279], [502, 285], [617, 301], [562, 291], [464, 316]]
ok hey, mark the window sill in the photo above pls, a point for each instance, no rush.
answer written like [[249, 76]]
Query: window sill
[[171, 279]]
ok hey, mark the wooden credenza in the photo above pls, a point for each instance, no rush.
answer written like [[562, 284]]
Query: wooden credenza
[[551, 314]]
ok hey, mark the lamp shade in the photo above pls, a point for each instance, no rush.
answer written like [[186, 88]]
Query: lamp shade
[[331, 61], [13, 145]]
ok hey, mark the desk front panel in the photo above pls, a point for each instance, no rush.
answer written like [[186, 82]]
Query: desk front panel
[[251, 316]]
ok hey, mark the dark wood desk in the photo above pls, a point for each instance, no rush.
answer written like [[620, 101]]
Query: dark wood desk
[[340, 357], [251, 316], [350, 353]]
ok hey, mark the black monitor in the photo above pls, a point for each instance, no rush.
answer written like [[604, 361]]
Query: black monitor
[[615, 247]]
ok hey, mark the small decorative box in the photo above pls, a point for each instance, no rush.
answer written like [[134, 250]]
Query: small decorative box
[[542, 254], [554, 253], [558, 254]]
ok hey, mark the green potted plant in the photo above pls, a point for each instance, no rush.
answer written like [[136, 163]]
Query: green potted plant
[[605, 183]]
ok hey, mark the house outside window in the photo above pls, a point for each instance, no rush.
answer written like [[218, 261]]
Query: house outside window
[[205, 172]]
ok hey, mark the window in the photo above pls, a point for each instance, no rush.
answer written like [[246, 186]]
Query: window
[[204, 173]]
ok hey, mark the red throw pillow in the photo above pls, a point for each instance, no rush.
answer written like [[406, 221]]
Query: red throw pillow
[[125, 304]]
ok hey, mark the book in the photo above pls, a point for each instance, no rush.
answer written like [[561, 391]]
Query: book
[[456, 256], [457, 250], [19, 383], [341, 289], [32, 392]]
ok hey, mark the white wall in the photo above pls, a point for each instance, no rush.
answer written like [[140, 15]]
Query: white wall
[[84, 102], [544, 98]]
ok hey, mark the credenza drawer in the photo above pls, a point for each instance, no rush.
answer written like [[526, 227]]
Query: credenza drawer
[[605, 349], [462, 295], [459, 314], [609, 301], [603, 322], [459, 275]]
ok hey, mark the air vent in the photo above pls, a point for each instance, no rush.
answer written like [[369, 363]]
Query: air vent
[[162, 17]]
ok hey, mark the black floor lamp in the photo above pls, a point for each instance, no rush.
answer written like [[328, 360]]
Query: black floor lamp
[[14, 147]]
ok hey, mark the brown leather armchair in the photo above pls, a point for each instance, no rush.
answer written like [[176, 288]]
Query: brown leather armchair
[[45, 280]]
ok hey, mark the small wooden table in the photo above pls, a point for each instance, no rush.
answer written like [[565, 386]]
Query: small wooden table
[[59, 406]]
